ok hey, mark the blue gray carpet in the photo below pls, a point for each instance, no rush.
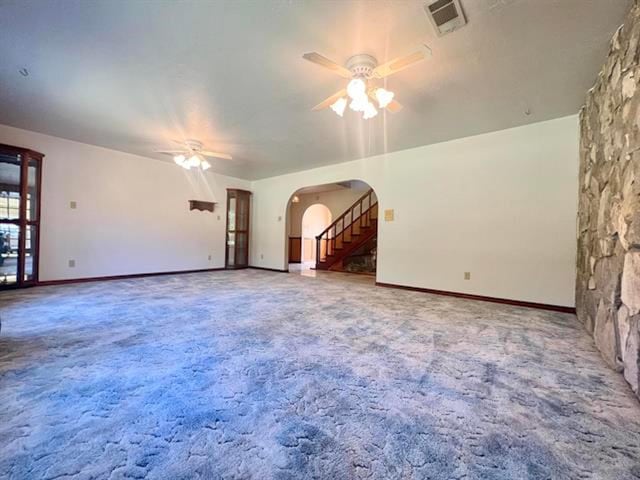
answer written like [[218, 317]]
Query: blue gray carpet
[[258, 375]]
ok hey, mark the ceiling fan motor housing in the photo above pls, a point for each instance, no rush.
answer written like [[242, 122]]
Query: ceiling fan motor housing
[[362, 65], [193, 145]]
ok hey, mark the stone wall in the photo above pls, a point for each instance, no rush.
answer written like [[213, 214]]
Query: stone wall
[[608, 270]]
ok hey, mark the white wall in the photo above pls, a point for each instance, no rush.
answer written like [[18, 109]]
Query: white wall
[[500, 205], [132, 212]]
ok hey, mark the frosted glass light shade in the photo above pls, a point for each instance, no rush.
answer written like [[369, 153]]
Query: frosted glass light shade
[[339, 106], [384, 97]]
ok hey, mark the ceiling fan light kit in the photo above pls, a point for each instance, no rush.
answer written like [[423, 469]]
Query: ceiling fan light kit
[[193, 156], [339, 106], [384, 97], [361, 93], [192, 162]]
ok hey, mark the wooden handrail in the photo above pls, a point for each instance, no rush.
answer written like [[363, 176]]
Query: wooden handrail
[[352, 207], [361, 219]]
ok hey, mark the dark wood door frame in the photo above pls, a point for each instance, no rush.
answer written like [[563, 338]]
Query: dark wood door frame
[[237, 193], [27, 155]]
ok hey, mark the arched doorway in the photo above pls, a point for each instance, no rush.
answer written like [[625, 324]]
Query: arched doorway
[[344, 215], [315, 219]]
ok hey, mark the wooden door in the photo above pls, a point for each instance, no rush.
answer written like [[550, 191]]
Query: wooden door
[[238, 219], [20, 180]]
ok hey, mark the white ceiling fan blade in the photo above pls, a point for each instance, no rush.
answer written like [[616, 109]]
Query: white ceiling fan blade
[[318, 59], [398, 64], [329, 101], [206, 153]]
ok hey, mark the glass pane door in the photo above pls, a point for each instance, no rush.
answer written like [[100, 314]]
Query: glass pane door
[[10, 173], [9, 240], [32, 166], [237, 247], [19, 216]]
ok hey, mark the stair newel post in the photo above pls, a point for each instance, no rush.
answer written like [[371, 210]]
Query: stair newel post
[[318, 259], [351, 225], [333, 240], [351, 212], [366, 217], [363, 217]]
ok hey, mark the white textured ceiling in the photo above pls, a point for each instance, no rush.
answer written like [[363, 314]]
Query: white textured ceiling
[[133, 75]]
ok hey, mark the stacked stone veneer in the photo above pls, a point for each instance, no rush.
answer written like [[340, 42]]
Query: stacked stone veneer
[[608, 270]]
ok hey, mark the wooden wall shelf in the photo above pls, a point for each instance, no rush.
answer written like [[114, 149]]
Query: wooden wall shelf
[[201, 205]]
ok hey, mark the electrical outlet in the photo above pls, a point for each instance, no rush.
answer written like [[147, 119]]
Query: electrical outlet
[[261, 257], [73, 205], [279, 218], [467, 275], [72, 263], [218, 217], [209, 257]]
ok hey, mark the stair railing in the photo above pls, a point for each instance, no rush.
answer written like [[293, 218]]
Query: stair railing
[[342, 230]]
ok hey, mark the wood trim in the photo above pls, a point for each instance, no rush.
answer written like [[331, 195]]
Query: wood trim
[[34, 222], [226, 232], [240, 190], [22, 215], [344, 214], [247, 231], [279, 270], [36, 263], [348, 248], [123, 277], [295, 249], [12, 150], [201, 205], [482, 298], [26, 155]]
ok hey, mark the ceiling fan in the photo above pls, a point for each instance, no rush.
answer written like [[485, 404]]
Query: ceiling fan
[[361, 92], [192, 155]]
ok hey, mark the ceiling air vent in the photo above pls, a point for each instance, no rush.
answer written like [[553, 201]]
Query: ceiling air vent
[[445, 15]]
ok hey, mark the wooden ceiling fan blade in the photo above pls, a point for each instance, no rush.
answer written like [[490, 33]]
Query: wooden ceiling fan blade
[[395, 106], [224, 156], [172, 152], [329, 101], [398, 64], [318, 59]]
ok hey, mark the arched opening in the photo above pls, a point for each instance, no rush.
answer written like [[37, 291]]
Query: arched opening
[[333, 227], [315, 219]]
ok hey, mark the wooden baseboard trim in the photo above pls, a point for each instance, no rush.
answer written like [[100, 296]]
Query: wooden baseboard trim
[[45, 283], [482, 298], [269, 269]]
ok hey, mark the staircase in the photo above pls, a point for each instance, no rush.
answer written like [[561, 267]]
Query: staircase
[[356, 226]]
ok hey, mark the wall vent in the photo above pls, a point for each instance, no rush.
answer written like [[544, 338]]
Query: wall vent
[[445, 15]]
